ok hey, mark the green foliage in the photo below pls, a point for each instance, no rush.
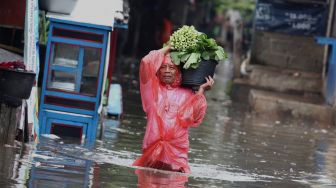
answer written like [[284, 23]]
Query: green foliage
[[190, 46], [43, 28], [184, 38], [245, 7]]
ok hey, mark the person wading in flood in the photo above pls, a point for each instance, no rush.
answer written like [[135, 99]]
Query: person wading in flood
[[170, 111]]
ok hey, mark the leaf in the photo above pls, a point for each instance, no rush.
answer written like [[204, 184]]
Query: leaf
[[195, 65], [206, 55], [175, 58], [220, 54], [193, 59], [202, 36], [185, 57]]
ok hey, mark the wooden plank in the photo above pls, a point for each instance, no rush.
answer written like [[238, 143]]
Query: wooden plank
[[3, 123], [8, 124], [7, 161], [12, 125]]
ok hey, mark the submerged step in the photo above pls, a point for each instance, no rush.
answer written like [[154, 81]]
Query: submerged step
[[267, 103], [285, 80]]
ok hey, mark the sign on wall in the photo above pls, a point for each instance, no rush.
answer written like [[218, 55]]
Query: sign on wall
[[292, 18]]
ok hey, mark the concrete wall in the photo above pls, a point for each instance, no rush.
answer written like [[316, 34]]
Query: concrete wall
[[287, 51]]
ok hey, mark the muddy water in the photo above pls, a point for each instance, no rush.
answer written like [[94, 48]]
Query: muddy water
[[231, 148]]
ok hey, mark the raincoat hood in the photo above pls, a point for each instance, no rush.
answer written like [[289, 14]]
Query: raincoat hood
[[178, 74]]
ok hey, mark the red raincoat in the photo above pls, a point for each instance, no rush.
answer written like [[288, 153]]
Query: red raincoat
[[170, 110], [152, 179]]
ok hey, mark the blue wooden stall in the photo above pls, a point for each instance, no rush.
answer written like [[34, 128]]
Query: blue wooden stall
[[74, 74], [331, 74]]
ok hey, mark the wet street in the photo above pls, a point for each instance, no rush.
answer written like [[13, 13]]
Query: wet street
[[231, 148]]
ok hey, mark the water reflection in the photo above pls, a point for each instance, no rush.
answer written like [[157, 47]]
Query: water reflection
[[52, 168], [109, 130], [8, 163], [53, 171], [159, 178]]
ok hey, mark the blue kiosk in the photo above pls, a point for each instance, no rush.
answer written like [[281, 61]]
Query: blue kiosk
[[76, 59]]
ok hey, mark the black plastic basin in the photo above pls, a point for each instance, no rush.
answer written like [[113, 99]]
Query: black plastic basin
[[193, 78], [16, 84]]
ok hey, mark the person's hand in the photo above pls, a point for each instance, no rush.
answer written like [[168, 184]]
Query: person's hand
[[165, 49], [206, 86]]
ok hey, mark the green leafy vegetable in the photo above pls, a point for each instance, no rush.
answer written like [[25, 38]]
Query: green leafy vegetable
[[190, 46]]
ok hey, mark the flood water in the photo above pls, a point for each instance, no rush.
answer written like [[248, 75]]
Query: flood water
[[231, 148]]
